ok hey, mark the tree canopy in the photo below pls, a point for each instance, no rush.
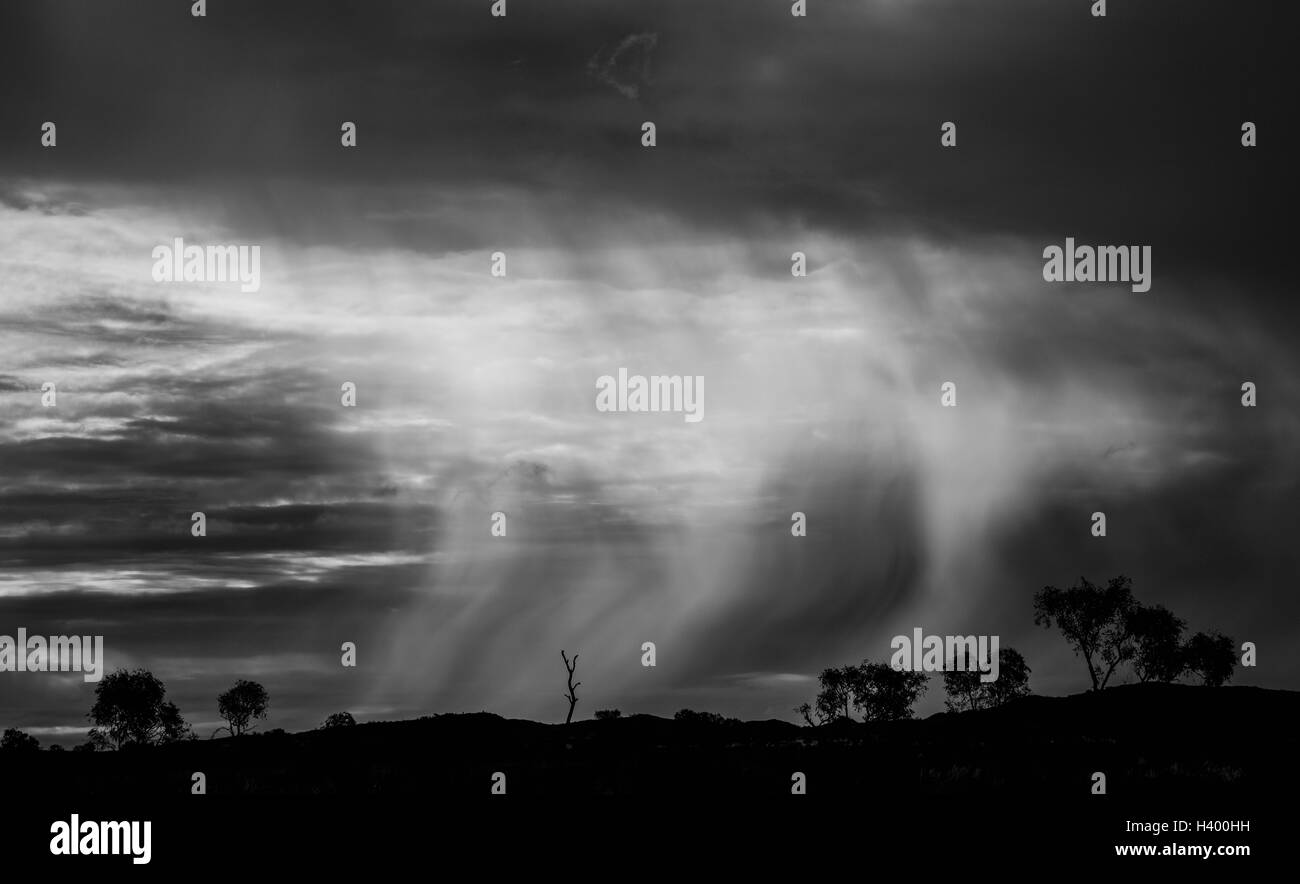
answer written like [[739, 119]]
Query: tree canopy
[[131, 709], [241, 705]]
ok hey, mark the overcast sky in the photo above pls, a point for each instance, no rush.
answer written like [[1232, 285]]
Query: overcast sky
[[476, 394]]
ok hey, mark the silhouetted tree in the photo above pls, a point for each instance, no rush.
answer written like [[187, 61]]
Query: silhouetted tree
[[54, 747], [97, 741], [836, 694], [240, 705], [1157, 649], [882, 693], [966, 692], [1094, 621], [571, 696], [876, 690], [1013, 678], [608, 714], [1211, 657], [130, 708], [174, 728], [339, 719], [15, 740]]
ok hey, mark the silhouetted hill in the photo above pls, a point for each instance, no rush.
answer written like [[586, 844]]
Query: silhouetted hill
[[1149, 740]]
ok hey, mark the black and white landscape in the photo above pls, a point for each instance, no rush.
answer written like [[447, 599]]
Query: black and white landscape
[[322, 334]]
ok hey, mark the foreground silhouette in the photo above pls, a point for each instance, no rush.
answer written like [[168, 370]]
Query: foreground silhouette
[[1150, 739]]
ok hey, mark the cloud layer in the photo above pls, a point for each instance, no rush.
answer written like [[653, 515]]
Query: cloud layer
[[475, 394]]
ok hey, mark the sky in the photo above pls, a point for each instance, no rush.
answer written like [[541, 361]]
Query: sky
[[476, 394]]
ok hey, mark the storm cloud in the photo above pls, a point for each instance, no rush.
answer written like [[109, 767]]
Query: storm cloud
[[475, 394]]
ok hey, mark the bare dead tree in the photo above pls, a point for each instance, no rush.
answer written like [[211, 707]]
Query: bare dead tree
[[571, 696]]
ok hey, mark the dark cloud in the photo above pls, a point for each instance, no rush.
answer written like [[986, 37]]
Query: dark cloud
[[1122, 129], [106, 320], [16, 198]]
